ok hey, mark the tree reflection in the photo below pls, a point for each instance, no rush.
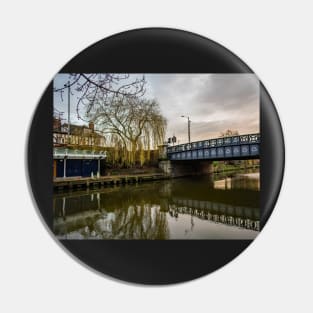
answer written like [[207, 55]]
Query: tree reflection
[[135, 222]]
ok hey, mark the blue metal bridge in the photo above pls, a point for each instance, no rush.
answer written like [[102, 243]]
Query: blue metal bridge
[[235, 147]]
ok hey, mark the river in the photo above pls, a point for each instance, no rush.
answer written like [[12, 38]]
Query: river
[[220, 206]]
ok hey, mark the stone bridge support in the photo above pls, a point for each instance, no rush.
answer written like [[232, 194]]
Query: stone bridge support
[[186, 168]]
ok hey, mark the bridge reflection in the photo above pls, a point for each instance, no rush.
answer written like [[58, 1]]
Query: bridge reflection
[[243, 217]]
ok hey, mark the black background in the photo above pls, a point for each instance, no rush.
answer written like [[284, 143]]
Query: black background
[[154, 51]]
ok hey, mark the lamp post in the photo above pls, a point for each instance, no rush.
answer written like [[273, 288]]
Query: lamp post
[[68, 86], [189, 121]]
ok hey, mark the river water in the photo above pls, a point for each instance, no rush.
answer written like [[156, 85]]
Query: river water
[[224, 206]]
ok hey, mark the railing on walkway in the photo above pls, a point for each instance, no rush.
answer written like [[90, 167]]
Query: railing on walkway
[[227, 147]]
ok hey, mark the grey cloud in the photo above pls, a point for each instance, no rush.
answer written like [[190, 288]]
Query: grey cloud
[[214, 102], [230, 92]]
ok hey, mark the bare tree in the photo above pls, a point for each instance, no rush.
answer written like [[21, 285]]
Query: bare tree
[[92, 87], [229, 133]]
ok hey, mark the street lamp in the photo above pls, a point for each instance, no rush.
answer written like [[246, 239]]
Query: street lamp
[[68, 86], [189, 121]]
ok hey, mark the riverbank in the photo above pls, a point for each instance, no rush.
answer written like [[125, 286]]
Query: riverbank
[[231, 168], [251, 175], [131, 177], [86, 182]]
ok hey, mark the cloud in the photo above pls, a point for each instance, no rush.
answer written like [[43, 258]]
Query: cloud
[[214, 102]]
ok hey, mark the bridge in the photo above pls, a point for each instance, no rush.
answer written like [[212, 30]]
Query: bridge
[[235, 147], [196, 157]]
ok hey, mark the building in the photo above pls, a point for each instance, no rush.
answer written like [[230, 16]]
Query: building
[[78, 151], [78, 136]]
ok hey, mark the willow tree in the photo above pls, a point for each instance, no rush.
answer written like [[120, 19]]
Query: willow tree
[[134, 122]]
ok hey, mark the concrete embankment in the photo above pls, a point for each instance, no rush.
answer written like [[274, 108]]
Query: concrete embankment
[[250, 175], [85, 182]]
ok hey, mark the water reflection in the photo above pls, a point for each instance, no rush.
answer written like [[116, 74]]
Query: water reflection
[[249, 181], [208, 207]]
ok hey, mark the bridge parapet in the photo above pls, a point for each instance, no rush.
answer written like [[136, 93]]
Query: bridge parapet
[[220, 148]]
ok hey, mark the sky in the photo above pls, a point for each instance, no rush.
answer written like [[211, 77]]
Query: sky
[[213, 102]]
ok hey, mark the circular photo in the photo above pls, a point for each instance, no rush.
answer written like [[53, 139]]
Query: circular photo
[[155, 156]]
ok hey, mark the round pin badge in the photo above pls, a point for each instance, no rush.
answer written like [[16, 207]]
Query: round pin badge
[[155, 156]]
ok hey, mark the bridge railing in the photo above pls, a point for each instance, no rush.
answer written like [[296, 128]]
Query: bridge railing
[[217, 142]]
